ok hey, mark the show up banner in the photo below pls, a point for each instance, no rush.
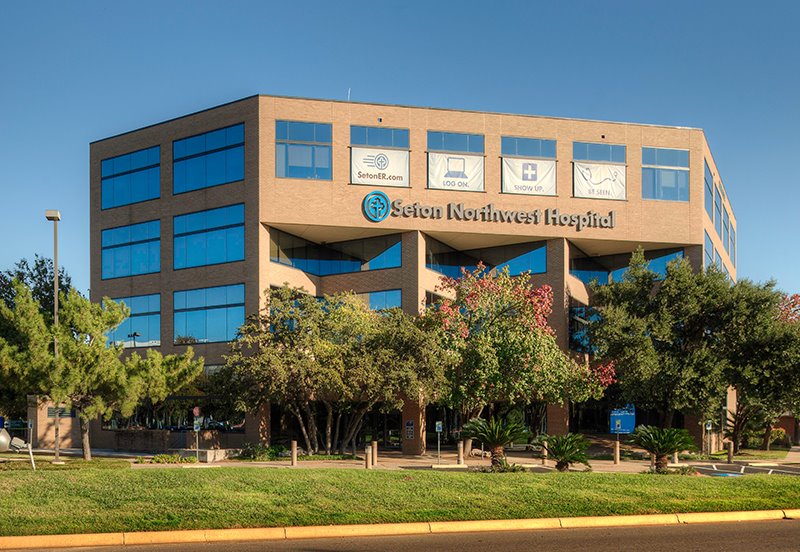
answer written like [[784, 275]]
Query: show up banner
[[455, 171], [599, 180], [529, 176], [379, 167]]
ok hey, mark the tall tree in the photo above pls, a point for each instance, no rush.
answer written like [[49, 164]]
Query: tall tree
[[335, 354], [38, 277], [87, 374], [762, 346], [495, 328], [663, 335]]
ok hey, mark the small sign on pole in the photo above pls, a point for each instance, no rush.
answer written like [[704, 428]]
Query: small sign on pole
[[197, 422], [623, 420], [438, 442]]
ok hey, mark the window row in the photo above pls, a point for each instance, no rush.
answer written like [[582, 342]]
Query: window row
[[335, 258], [517, 259], [612, 268], [204, 238], [205, 315], [718, 213], [201, 161]]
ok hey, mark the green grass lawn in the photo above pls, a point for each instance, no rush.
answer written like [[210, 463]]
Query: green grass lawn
[[96, 500]]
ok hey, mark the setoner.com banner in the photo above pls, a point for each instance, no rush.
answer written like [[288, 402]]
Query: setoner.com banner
[[379, 167], [599, 180], [455, 171], [529, 176]]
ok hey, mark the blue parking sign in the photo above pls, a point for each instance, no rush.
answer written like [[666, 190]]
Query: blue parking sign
[[623, 420]]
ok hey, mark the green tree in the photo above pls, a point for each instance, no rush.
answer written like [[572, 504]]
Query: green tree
[[494, 328], [87, 374], [38, 277], [761, 341], [663, 336], [334, 353]]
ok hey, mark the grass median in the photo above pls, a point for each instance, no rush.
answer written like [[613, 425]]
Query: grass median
[[95, 500]]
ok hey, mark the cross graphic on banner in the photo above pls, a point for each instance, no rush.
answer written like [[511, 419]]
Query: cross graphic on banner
[[529, 171]]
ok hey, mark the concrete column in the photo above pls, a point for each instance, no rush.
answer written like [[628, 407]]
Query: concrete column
[[368, 457], [460, 452], [675, 457], [374, 453], [616, 452], [413, 430], [294, 453], [729, 444]]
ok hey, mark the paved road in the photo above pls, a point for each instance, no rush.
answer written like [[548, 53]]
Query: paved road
[[767, 536]]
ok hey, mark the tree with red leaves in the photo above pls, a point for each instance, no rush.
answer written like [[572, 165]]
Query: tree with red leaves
[[495, 327], [790, 308]]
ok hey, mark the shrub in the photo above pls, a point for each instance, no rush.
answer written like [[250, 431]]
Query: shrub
[[496, 433], [566, 449], [261, 452], [661, 442], [502, 467], [779, 437], [173, 459]]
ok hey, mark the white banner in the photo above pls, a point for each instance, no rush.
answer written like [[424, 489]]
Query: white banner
[[455, 171], [529, 176], [599, 180], [379, 167]]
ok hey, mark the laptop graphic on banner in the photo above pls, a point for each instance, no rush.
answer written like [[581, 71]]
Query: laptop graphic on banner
[[455, 167]]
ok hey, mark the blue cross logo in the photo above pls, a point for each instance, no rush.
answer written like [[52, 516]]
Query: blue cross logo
[[376, 206]]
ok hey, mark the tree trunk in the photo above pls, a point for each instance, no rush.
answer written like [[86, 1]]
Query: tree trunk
[[467, 415], [497, 456], [337, 446], [87, 449], [661, 462], [667, 415], [311, 420], [328, 427], [767, 435], [296, 411]]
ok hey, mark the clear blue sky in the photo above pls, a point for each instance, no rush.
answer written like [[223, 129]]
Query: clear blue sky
[[74, 72]]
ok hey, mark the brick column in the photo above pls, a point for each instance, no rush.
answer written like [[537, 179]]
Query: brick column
[[413, 426]]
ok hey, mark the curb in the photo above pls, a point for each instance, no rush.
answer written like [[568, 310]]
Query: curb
[[380, 529]]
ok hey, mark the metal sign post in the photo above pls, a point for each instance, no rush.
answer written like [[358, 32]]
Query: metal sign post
[[197, 438], [621, 421], [438, 442]]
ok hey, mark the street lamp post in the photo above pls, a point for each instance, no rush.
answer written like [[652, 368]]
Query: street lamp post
[[134, 335], [54, 216]]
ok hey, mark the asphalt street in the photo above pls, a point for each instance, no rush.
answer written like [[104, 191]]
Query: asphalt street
[[777, 536]]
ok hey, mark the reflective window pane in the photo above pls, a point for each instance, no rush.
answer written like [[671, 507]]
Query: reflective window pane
[[208, 315], [209, 159]]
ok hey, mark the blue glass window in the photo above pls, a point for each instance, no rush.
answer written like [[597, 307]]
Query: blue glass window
[[336, 258], [708, 251], [208, 315], [709, 195], [528, 147], [587, 151], [209, 237], [131, 250], [726, 230], [518, 258], [209, 159], [382, 300], [303, 150], [733, 246], [130, 178], [717, 211], [378, 136], [579, 319], [656, 262], [455, 141], [717, 259], [665, 174], [587, 269], [143, 327]]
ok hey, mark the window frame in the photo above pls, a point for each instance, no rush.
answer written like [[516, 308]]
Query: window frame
[[206, 152], [312, 144]]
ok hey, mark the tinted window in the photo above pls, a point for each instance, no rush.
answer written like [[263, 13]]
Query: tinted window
[[209, 159], [131, 178]]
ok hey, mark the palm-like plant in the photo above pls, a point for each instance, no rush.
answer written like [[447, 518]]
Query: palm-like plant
[[496, 433], [662, 442], [566, 449]]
